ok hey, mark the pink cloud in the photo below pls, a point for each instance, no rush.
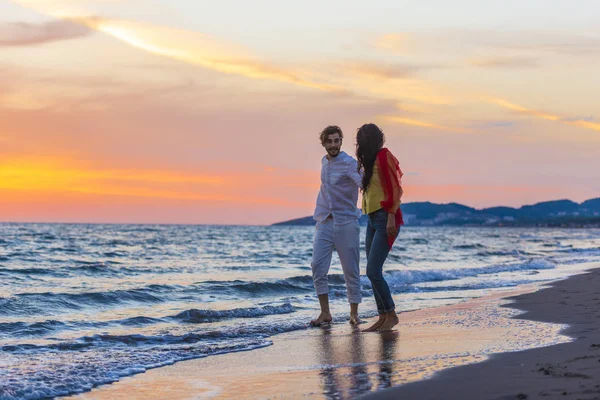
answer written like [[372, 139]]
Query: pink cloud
[[28, 34]]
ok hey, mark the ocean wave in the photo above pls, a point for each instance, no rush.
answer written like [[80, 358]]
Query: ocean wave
[[49, 302], [469, 246], [40, 328], [89, 268], [472, 286], [29, 348], [203, 316], [304, 283], [20, 305], [138, 321], [95, 268], [573, 261], [26, 271], [528, 236], [238, 331], [295, 284], [267, 287], [112, 254], [580, 251], [21, 255], [497, 253], [409, 277], [118, 242], [66, 375], [113, 268], [30, 329], [142, 295], [252, 287], [65, 250]]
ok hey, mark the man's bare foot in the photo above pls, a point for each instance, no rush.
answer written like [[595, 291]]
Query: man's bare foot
[[376, 325], [354, 320], [391, 320], [324, 318]]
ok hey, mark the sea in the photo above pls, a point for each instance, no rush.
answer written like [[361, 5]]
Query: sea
[[83, 305]]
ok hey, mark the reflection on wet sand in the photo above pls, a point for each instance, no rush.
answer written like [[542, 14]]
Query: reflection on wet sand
[[345, 371], [359, 378], [388, 342]]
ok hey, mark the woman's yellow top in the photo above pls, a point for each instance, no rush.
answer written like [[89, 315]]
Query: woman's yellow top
[[374, 196]]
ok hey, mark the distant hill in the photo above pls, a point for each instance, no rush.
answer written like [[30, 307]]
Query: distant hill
[[548, 213]]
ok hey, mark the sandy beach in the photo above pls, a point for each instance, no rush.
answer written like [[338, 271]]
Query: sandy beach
[[566, 371], [483, 348]]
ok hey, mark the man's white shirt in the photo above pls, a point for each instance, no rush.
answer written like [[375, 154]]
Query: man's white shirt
[[338, 195]]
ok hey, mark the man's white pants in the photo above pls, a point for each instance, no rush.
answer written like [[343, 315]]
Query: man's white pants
[[345, 240]]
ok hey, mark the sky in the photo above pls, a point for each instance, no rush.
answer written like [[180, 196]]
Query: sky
[[204, 112]]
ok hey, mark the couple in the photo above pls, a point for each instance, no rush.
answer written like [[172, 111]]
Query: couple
[[378, 175]]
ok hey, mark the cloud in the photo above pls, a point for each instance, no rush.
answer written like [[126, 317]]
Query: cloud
[[493, 124], [201, 50], [182, 45], [504, 62], [381, 70], [197, 49], [585, 124], [45, 89], [28, 34], [588, 118], [547, 116], [421, 124]]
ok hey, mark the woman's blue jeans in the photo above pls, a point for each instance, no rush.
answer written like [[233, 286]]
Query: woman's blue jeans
[[376, 243]]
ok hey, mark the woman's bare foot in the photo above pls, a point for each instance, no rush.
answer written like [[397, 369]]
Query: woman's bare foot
[[323, 318], [391, 320], [376, 325], [354, 320]]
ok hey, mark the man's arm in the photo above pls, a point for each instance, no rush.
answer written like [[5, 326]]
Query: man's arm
[[353, 172]]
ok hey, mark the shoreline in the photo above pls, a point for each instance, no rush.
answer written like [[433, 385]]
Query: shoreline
[[567, 371], [311, 362]]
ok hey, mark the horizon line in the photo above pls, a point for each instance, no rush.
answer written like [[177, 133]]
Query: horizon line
[[266, 224]]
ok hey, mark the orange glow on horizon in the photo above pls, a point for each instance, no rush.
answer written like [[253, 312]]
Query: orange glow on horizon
[[41, 176]]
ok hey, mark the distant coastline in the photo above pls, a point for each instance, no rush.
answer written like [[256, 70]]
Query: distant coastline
[[557, 213]]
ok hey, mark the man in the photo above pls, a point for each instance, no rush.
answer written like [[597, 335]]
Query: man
[[337, 224]]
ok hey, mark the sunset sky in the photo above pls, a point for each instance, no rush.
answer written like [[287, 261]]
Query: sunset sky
[[192, 111]]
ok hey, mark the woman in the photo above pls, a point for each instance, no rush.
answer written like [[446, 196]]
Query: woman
[[382, 190]]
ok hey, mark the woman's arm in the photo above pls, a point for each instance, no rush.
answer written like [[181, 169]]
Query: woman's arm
[[390, 175]]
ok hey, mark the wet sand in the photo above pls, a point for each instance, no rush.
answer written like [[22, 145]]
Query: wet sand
[[565, 371]]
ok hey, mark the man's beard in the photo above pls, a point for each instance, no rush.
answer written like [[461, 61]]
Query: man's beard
[[334, 151]]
